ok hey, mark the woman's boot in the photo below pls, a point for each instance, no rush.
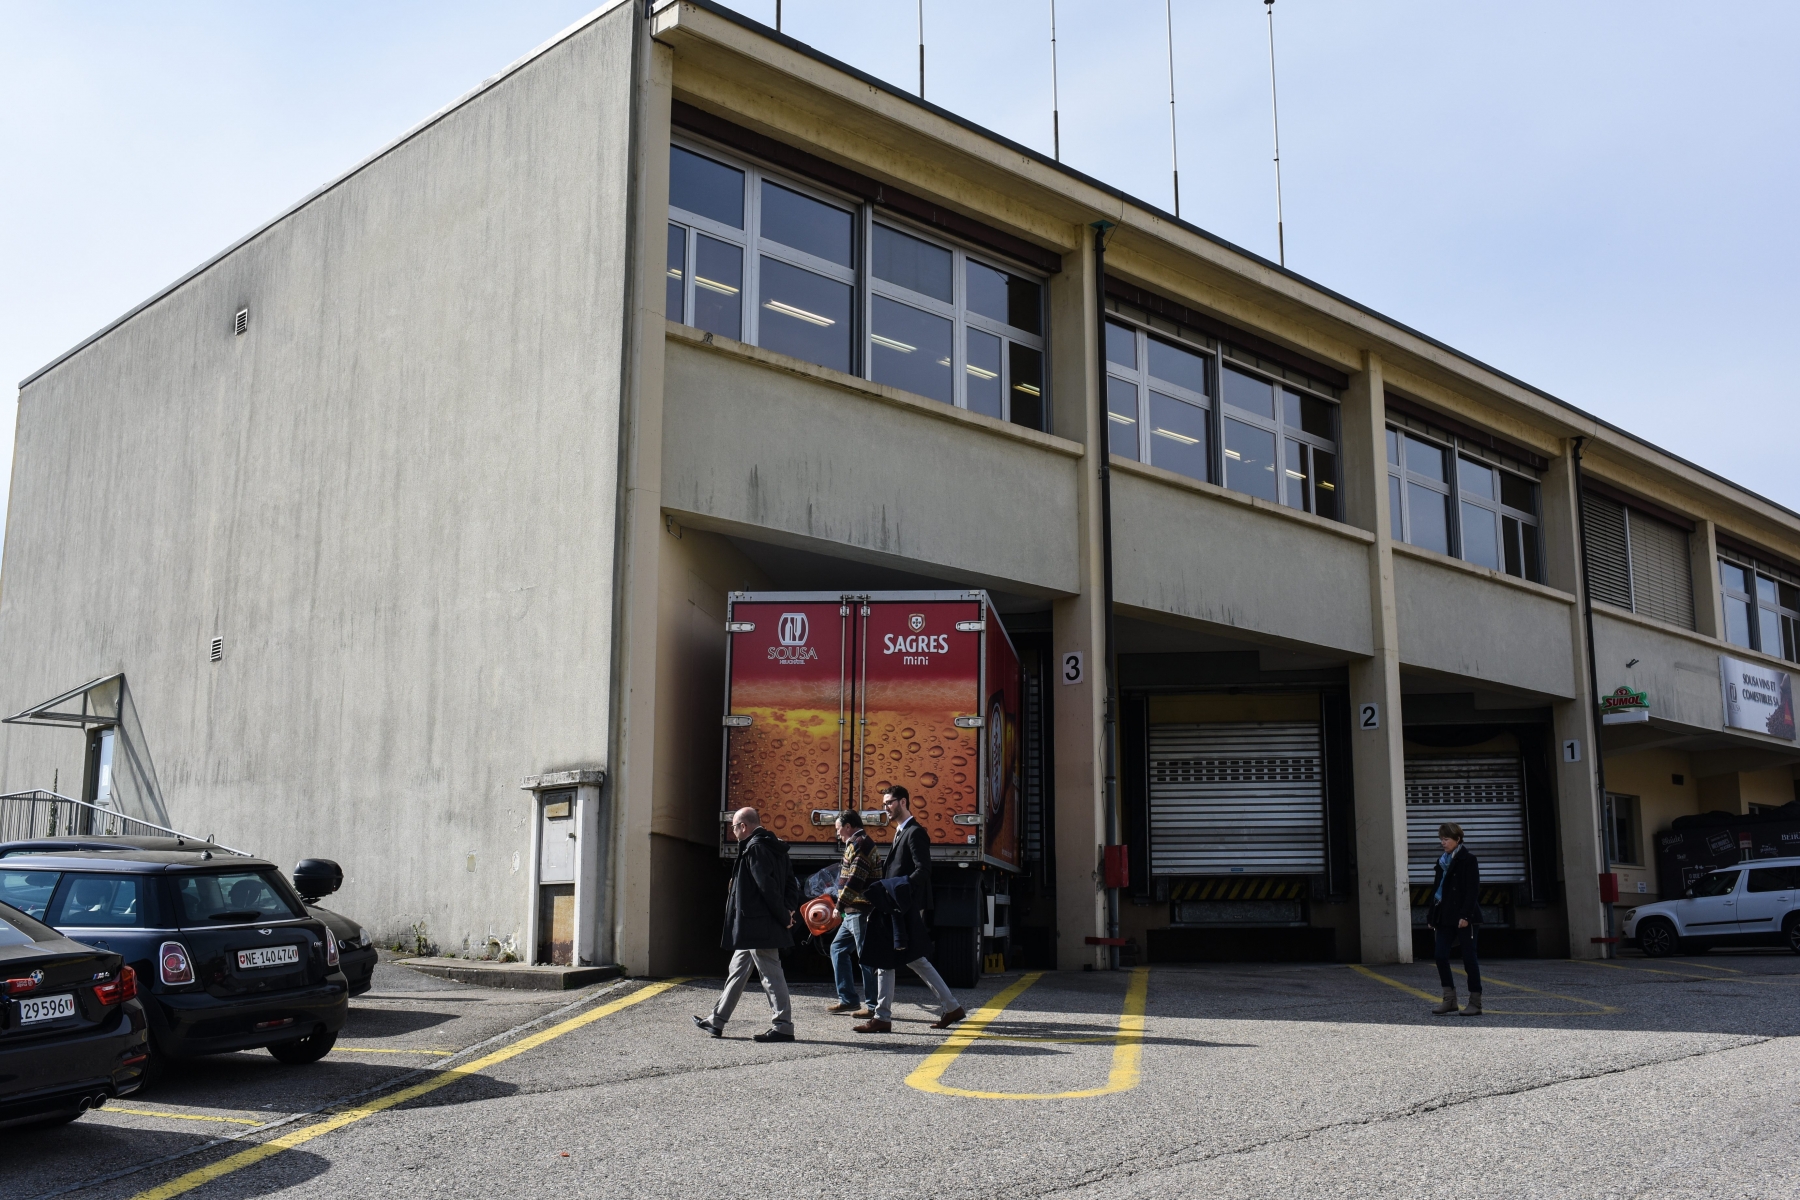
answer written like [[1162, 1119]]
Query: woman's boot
[[1474, 1007], [1449, 1004]]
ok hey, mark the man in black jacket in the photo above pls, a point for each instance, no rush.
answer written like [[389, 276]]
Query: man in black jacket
[[759, 913], [1454, 912], [909, 859]]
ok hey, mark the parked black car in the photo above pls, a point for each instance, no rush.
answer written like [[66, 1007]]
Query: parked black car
[[72, 1032], [314, 878], [227, 957]]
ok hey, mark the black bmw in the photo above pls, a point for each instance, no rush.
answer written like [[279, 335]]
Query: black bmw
[[72, 1033], [226, 955]]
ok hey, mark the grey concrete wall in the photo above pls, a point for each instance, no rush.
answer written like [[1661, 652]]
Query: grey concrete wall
[[1214, 558], [1680, 672], [1465, 623], [790, 453], [393, 498]]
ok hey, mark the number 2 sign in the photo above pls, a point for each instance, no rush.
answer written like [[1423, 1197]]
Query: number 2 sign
[[1368, 716]]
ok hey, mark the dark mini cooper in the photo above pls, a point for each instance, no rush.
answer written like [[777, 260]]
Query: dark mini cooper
[[72, 1033], [226, 955]]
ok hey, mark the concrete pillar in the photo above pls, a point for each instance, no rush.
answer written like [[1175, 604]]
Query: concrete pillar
[[1703, 557], [1577, 785], [1377, 749], [640, 529], [1077, 625]]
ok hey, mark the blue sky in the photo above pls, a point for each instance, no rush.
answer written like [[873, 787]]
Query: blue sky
[[1595, 197]]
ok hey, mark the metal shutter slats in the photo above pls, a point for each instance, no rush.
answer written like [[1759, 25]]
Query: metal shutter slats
[[1609, 570], [1244, 797], [1661, 574], [1485, 794]]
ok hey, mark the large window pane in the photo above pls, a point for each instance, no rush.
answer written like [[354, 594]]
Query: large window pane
[[1122, 418], [1308, 414], [1733, 577], [1121, 345], [99, 902], [910, 349], [912, 263], [1737, 621], [1480, 539], [1518, 493], [1534, 559], [1474, 478], [805, 224], [1393, 445], [1430, 518], [1026, 367], [1423, 458], [1769, 629], [718, 287], [673, 308], [1249, 459], [1395, 512], [706, 188], [1325, 483], [1765, 589], [1178, 365], [1298, 479], [1788, 638], [1250, 394], [807, 316], [1177, 435], [1003, 297], [982, 371], [1512, 546]]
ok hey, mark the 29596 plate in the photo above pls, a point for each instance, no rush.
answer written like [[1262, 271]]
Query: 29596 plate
[[46, 1008], [268, 956]]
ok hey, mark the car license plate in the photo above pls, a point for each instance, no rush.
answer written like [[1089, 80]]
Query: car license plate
[[268, 956], [46, 1008]]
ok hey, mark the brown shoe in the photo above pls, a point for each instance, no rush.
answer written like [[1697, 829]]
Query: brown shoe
[[863, 1013], [840, 1009], [948, 1019], [875, 1025]]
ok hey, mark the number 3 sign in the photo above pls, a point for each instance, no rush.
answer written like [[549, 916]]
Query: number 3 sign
[[1071, 667]]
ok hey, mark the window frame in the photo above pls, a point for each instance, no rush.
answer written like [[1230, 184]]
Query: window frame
[[860, 277], [1213, 406], [1787, 619], [1531, 564]]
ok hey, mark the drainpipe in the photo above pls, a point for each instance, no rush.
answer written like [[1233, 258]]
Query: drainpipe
[[1110, 724], [1587, 616]]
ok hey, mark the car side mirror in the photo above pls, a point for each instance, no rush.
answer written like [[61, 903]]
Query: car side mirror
[[316, 878], [1689, 894]]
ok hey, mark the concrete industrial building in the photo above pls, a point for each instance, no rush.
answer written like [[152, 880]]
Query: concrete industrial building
[[436, 487]]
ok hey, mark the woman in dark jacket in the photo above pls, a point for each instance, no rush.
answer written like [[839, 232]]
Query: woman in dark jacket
[[1454, 912]]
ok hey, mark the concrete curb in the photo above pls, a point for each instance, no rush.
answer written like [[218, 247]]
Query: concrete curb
[[511, 975]]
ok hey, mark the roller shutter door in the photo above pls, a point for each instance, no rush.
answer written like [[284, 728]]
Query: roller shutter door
[[1237, 797], [1485, 794]]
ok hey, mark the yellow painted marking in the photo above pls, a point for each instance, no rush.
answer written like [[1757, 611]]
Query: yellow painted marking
[[1594, 962], [1600, 1009], [146, 1112], [349, 1116], [384, 1050], [1128, 1046]]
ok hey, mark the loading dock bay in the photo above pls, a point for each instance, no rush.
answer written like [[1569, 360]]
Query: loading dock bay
[[1671, 1076]]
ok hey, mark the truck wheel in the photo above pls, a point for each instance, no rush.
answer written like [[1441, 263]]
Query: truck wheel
[[1656, 938], [958, 956], [304, 1050]]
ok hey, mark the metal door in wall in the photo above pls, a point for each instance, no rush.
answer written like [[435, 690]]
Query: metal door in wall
[[1236, 797], [1485, 794]]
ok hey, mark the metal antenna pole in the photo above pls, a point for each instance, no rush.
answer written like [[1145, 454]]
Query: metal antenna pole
[[1174, 157], [1275, 120], [921, 49], [777, 16], [1055, 113]]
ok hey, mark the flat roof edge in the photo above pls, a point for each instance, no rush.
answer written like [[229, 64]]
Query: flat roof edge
[[162, 293]]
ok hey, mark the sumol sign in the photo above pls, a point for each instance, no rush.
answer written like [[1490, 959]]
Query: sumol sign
[[1757, 698]]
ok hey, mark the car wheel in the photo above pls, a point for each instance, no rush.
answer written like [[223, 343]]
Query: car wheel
[[304, 1050], [1657, 938], [1791, 933]]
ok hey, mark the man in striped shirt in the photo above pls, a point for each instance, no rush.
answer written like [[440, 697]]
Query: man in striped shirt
[[861, 867]]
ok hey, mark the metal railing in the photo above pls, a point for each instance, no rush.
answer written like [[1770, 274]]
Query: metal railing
[[42, 814]]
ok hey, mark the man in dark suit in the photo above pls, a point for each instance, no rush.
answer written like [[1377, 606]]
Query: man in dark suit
[[1454, 913], [910, 859], [759, 913]]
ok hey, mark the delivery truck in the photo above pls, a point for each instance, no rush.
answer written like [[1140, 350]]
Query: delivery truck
[[832, 698]]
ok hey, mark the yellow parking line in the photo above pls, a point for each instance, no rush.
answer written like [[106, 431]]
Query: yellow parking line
[[147, 1112], [449, 1075], [385, 1050], [1128, 1046], [1395, 983], [1600, 1009], [1594, 962]]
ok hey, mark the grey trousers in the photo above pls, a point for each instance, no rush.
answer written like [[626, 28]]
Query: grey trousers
[[768, 965], [884, 980]]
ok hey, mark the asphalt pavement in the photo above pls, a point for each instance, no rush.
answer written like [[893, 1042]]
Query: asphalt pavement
[[1673, 1077]]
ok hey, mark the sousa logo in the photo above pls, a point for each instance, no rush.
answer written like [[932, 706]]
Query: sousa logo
[[793, 651]]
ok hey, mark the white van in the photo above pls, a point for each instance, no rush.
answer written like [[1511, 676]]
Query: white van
[[1754, 903]]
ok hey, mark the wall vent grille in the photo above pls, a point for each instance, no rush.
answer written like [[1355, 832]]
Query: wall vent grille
[[240, 323], [218, 650]]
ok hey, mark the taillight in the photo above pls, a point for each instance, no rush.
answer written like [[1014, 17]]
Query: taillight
[[331, 950], [174, 964]]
